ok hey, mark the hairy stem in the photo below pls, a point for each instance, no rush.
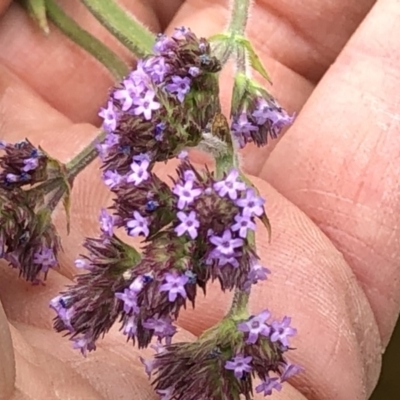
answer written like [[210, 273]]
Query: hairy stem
[[84, 158], [129, 31], [239, 16], [85, 40]]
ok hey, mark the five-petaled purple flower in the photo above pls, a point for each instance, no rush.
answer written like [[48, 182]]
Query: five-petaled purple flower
[[106, 223], [139, 172], [109, 116], [45, 257], [243, 224], [239, 365], [251, 204], [256, 326], [186, 193], [146, 105], [179, 86], [268, 385], [282, 330], [112, 179], [129, 299], [138, 225], [189, 223], [174, 284], [162, 327], [225, 244], [230, 185]]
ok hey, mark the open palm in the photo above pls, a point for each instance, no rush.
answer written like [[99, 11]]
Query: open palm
[[331, 184]]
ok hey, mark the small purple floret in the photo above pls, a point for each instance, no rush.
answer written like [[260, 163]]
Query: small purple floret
[[174, 284], [239, 365]]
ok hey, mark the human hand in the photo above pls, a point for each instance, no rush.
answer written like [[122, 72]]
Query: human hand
[[336, 166]]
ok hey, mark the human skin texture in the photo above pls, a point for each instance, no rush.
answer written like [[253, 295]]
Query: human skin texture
[[331, 184]]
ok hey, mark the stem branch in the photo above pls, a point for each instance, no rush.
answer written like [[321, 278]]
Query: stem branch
[[239, 16]]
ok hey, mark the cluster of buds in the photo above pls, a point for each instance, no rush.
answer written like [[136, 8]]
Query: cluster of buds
[[28, 238], [256, 115], [163, 105]]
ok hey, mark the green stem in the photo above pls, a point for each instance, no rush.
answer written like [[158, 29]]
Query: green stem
[[85, 40], [239, 16], [84, 158], [130, 32]]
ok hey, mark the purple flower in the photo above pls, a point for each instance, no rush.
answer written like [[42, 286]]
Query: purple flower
[[149, 365], [125, 97], [58, 304], [45, 257], [282, 330], [163, 43], [189, 224], [186, 194], [189, 175], [12, 178], [112, 179], [243, 224], [194, 71], [156, 68], [83, 344], [139, 172], [30, 164], [146, 105], [183, 155], [138, 284], [229, 186], [106, 222], [268, 385], [129, 299], [166, 393], [257, 272], [138, 225], [239, 365], [290, 371], [174, 285], [225, 244], [141, 157], [179, 86], [256, 326], [227, 260], [180, 32], [162, 327], [271, 111], [109, 116], [242, 126], [130, 327], [82, 264], [251, 204]]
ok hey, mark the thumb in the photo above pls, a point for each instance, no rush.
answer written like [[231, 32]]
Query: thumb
[[7, 361]]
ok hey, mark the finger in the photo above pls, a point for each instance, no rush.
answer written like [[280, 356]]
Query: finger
[[340, 159], [70, 79], [3, 5], [297, 41], [7, 364]]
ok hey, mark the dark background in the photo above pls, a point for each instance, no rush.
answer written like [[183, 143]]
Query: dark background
[[389, 383]]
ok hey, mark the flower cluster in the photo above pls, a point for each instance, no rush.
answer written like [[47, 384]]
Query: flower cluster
[[225, 361], [28, 239], [256, 115], [194, 232], [151, 111], [22, 164]]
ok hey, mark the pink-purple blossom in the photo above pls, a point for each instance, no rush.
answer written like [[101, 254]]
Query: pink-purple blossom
[[179, 86], [230, 185], [174, 284], [243, 223], [138, 225], [186, 193], [146, 105], [251, 203], [109, 115], [226, 244], [129, 299], [256, 326], [239, 365], [281, 331], [139, 172], [189, 223], [268, 385]]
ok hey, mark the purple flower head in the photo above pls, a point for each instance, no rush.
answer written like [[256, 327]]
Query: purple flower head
[[239, 365], [289, 371], [179, 86], [30, 164], [282, 330], [230, 185], [138, 225], [109, 116], [129, 299], [139, 172], [45, 257], [251, 204], [162, 327], [112, 179], [84, 345], [268, 385], [146, 105], [256, 326], [225, 244], [106, 223], [130, 327], [174, 284], [186, 194], [156, 68], [189, 223], [242, 225]]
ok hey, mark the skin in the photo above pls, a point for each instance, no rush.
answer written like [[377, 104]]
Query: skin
[[331, 186]]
